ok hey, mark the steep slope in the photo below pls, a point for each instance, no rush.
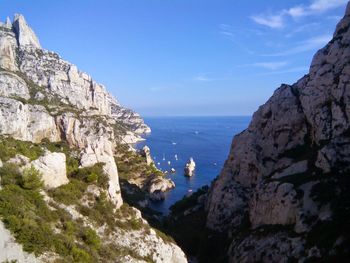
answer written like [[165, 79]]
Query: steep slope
[[59, 126], [283, 193]]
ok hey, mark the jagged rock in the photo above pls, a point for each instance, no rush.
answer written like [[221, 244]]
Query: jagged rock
[[25, 35], [52, 167], [146, 152], [296, 142], [190, 167]]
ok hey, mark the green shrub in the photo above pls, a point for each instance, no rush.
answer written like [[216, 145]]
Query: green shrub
[[31, 179], [91, 238], [69, 193], [80, 255], [9, 147], [92, 174], [10, 174]]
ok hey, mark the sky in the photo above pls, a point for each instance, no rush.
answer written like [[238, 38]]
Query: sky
[[185, 57]]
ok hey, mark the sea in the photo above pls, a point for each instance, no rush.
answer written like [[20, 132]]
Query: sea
[[174, 140]]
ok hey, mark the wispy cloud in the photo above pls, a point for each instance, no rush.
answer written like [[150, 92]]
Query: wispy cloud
[[304, 46], [272, 21], [278, 19], [270, 65], [290, 70], [205, 77]]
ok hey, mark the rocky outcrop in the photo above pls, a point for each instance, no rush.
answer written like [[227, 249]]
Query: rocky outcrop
[[24, 34], [190, 167], [146, 153], [52, 167], [296, 145]]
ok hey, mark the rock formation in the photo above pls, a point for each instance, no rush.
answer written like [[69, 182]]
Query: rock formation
[[283, 188], [45, 97], [45, 100], [52, 167], [146, 152], [190, 167]]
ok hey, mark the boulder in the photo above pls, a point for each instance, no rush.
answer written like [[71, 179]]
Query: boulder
[[52, 166]]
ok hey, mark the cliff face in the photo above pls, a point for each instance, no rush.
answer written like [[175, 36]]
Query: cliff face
[[66, 126], [282, 193], [45, 97]]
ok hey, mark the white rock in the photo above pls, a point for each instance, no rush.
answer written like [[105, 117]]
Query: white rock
[[8, 47], [146, 152], [13, 86], [190, 167], [25, 35], [52, 166]]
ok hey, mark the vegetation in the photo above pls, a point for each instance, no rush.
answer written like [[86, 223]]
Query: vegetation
[[132, 165], [9, 147], [40, 228]]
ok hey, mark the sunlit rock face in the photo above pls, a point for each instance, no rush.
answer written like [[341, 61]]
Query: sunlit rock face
[[270, 196], [44, 97]]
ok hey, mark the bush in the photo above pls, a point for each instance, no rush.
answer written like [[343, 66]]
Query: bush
[[9, 147], [91, 238], [31, 179], [10, 174], [69, 193]]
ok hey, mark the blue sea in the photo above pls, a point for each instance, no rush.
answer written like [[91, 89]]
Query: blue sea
[[206, 139]]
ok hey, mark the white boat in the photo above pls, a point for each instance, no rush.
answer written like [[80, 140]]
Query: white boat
[[176, 157]]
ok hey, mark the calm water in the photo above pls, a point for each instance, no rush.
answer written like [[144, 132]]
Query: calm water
[[206, 139]]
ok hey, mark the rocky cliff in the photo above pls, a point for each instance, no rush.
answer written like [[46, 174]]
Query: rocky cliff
[[283, 194], [59, 126]]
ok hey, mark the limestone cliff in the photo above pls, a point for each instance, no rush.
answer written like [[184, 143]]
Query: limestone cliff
[[58, 124], [283, 192]]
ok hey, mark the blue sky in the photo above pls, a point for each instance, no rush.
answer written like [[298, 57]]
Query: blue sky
[[185, 57]]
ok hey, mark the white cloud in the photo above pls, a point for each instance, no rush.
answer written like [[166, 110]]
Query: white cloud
[[270, 65], [315, 7], [296, 11], [306, 45], [324, 5], [273, 21]]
